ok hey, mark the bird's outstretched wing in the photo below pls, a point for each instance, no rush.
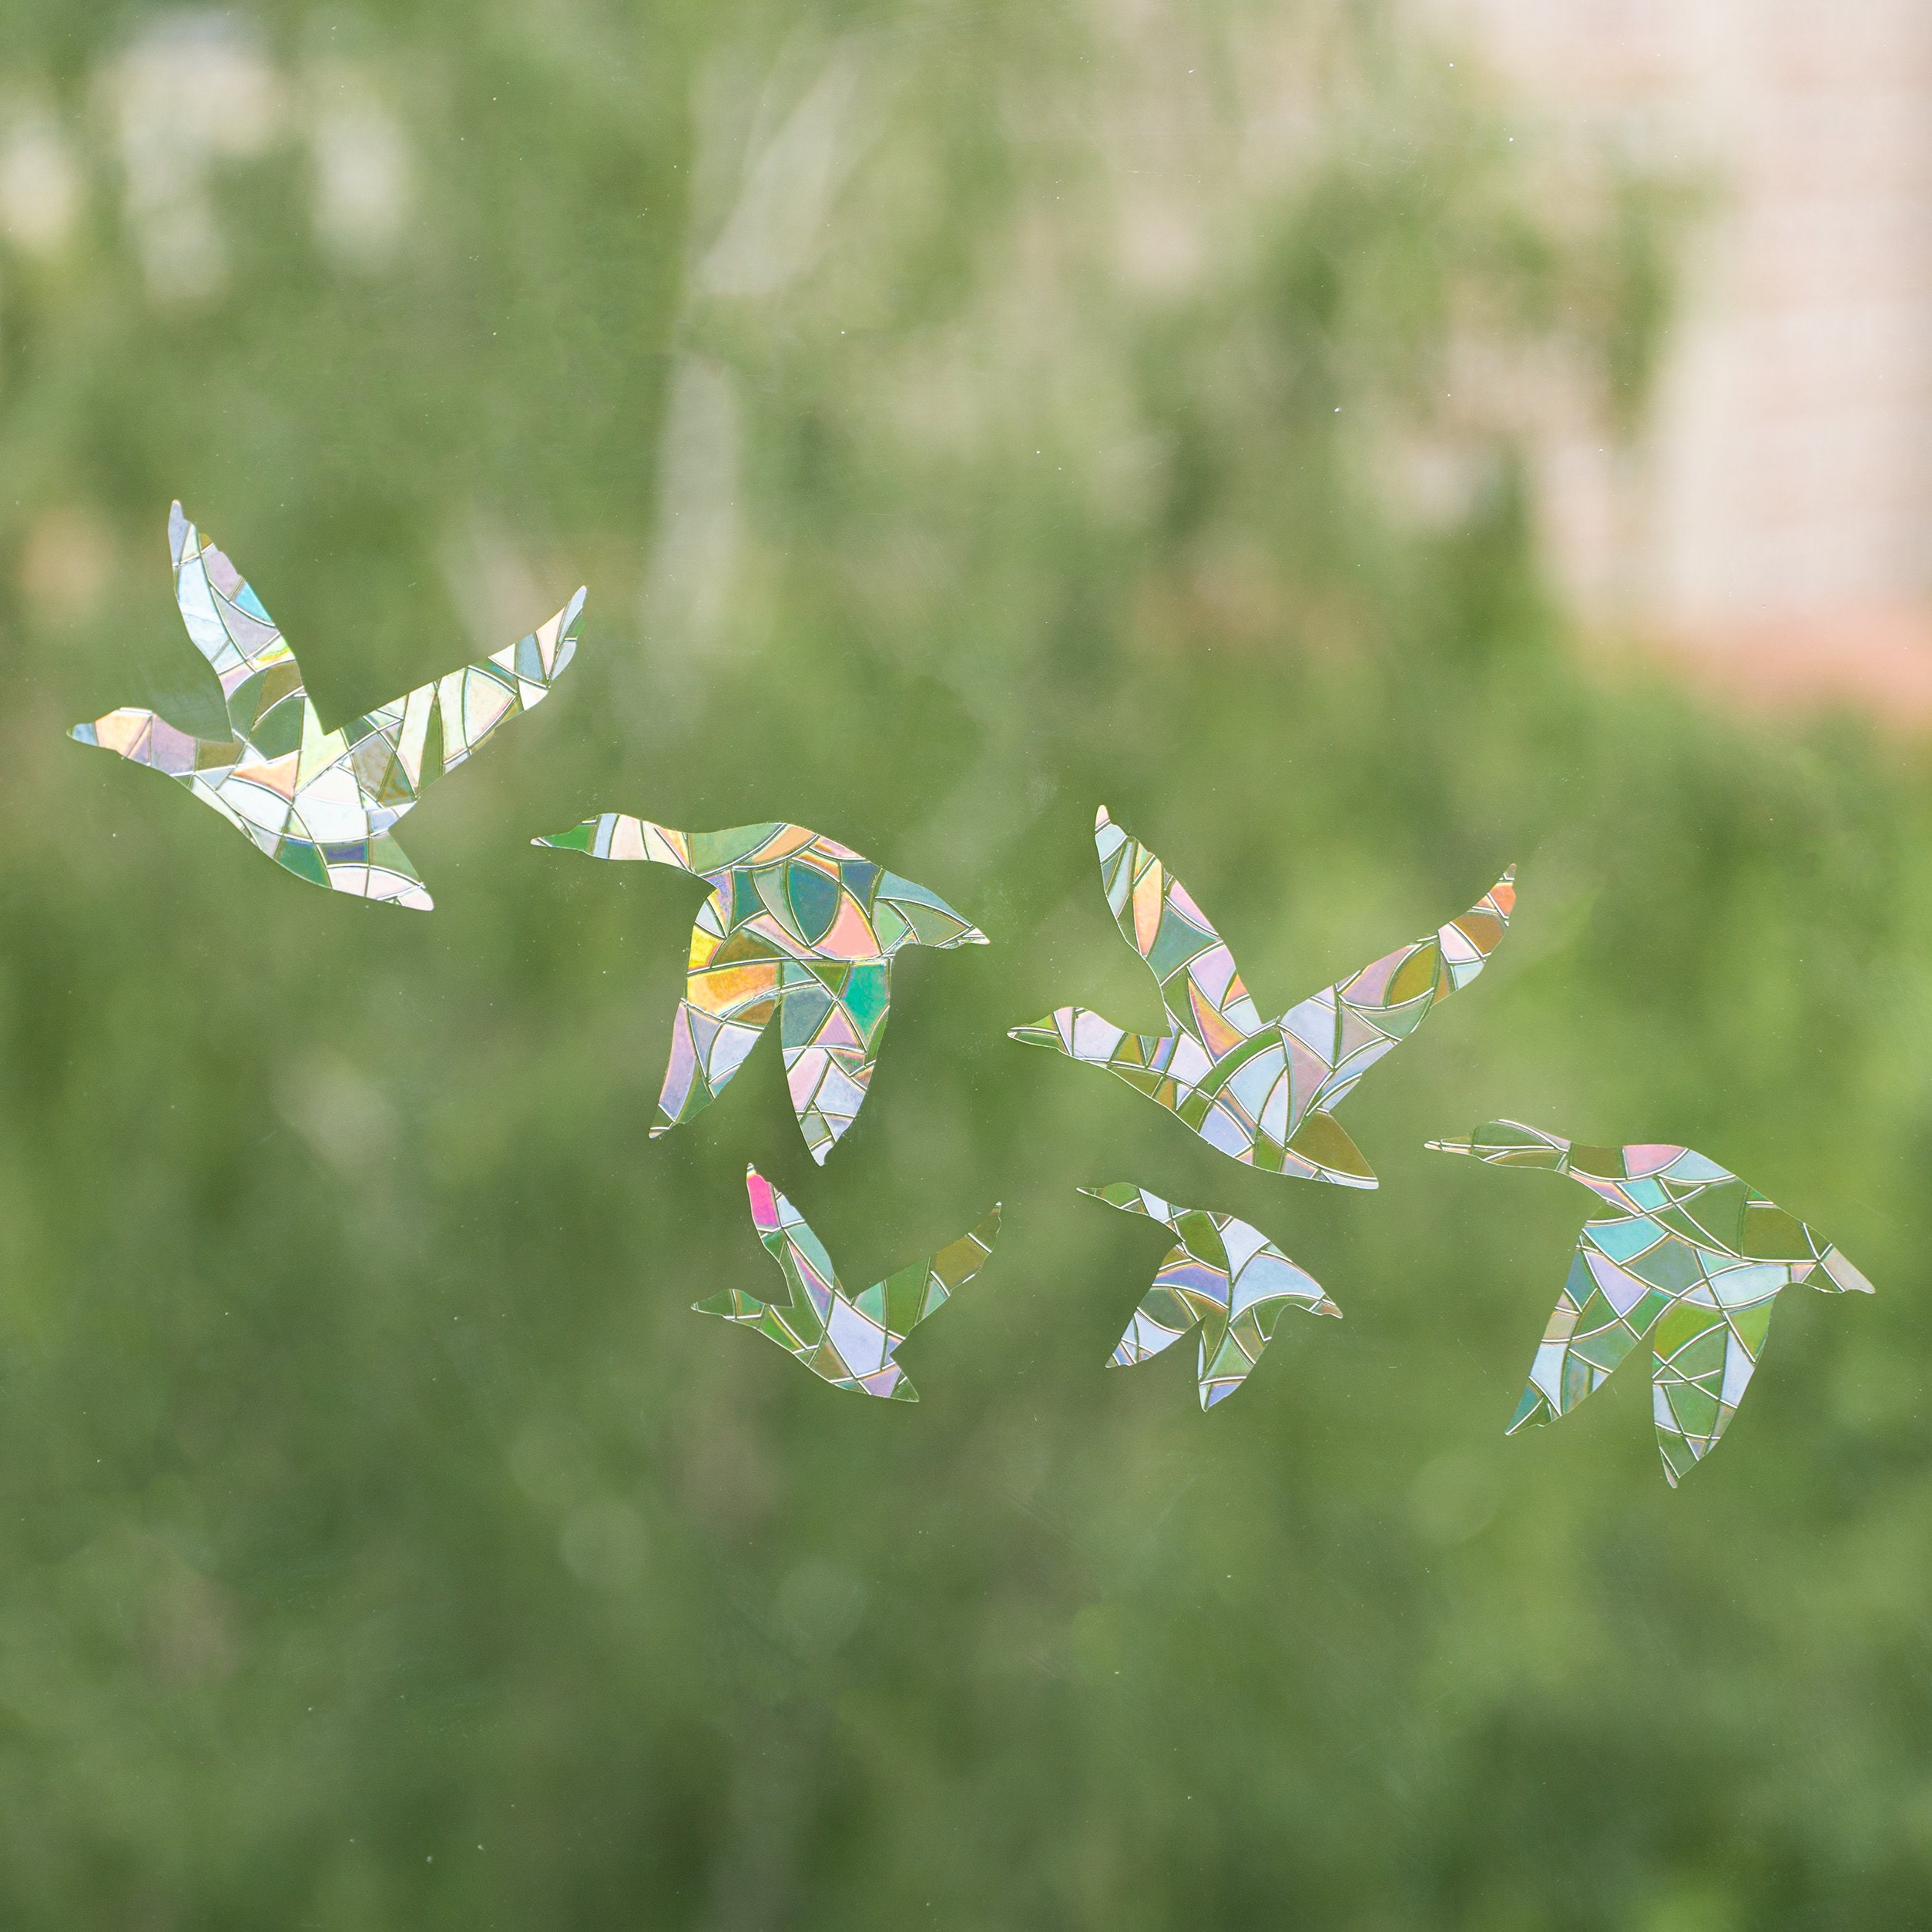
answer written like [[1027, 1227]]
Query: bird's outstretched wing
[[1626, 1272], [261, 683], [393, 754], [907, 1296], [1703, 1357], [1600, 1315], [1210, 1007], [735, 980], [1157, 916], [800, 1323], [1347, 1027], [227, 624], [354, 784], [848, 1342], [1190, 1288]]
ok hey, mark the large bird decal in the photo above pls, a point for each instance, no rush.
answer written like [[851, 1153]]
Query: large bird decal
[[1261, 1091], [322, 804], [797, 928], [1689, 1255]]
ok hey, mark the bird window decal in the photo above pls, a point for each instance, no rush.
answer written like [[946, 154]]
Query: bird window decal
[[847, 1340], [1689, 1255], [1223, 1277], [1262, 1091], [797, 928], [324, 804]]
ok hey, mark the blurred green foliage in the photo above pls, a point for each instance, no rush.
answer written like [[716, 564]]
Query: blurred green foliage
[[962, 415]]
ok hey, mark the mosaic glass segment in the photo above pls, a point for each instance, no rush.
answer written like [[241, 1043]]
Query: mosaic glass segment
[[322, 804], [1261, 1091], [798, 928], [1689, 1254], [847, 1339], [1223, 1277]]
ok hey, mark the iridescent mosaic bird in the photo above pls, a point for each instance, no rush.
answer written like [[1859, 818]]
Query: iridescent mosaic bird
[[1261, 1091], [1223, 1277], [848, 1339], [1688, 1250], [322, 804], [798, 928]]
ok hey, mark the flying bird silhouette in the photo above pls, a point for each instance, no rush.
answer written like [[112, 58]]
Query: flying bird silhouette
[[1261, 1091], [1688, 1248], [797, 927], [321, 803], [1223, 1277], [848, 1339]]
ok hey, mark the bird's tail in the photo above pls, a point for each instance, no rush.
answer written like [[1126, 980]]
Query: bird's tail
[[617, 835], [934, 923], [1508, 1143]]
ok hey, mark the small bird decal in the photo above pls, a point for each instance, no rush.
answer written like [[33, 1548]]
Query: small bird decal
[[1688, 1248], [797, 927], [322, 804], [1222, 1277], [1261, 1091], [848, 1339]]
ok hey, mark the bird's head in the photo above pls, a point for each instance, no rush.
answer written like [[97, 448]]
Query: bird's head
[[1059, 1031], [120, 731], [617, 835], [1508, 1143], [733, 1304], [145, 739]]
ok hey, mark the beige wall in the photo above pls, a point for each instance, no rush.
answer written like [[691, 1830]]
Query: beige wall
[[1783, 498]]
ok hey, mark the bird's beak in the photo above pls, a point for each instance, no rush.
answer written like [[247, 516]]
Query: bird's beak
[[1044, 1033], [1449, 1146]]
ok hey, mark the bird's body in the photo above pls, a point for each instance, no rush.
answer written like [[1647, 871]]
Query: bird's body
[[322, 804], [847, 1339], [1260, 1091], [1690, 1250], [1223, 1277], [797, 928]]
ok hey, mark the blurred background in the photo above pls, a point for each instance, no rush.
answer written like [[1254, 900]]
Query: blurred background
[[1362, 444]]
